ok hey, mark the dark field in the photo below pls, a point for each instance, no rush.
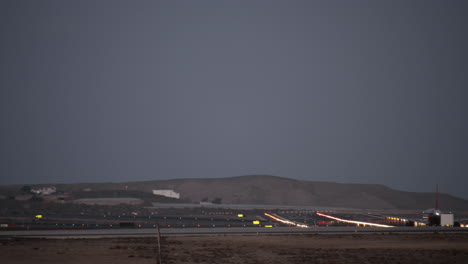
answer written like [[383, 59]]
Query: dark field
[[375, 248]]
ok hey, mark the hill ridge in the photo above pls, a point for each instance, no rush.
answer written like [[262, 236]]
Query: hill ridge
[[276, 190]]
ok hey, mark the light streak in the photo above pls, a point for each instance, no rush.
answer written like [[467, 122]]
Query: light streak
[[351, 221], [286, 221]]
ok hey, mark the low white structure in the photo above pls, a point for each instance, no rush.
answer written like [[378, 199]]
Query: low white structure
[[44, 190], [167, 193], [109, 201], [446, 220]]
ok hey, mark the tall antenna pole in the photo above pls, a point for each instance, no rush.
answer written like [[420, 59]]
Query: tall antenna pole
[[437, 197]]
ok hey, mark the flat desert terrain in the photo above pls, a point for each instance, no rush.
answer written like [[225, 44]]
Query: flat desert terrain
[[348, 248]]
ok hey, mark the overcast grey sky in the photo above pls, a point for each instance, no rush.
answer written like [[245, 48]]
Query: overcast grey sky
[[346, 91]]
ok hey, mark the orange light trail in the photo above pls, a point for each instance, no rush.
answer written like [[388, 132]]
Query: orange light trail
[[351, 221]]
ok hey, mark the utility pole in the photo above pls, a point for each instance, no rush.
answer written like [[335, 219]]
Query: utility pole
[[158, 232]]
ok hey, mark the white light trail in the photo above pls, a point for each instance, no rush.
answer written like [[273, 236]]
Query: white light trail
[[351, 221], [286, 221]]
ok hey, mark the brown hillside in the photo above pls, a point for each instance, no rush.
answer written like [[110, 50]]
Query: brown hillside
[[260, 189]]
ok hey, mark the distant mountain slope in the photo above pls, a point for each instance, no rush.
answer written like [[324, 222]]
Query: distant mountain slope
[[264, 189]]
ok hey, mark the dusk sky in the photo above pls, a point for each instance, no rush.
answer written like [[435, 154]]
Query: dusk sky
[[343, 91]]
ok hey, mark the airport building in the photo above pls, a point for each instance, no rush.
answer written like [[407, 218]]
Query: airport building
[[167, 193]]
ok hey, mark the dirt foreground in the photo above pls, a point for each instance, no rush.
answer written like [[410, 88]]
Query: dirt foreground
[[375, 248]]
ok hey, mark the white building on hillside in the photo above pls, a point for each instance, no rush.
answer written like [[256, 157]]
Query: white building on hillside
[[167, 193], [44, 190]]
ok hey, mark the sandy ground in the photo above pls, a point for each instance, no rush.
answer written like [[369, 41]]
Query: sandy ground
[[352, 248]]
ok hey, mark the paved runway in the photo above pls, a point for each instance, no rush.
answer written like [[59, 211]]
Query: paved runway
[[105, 233]]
